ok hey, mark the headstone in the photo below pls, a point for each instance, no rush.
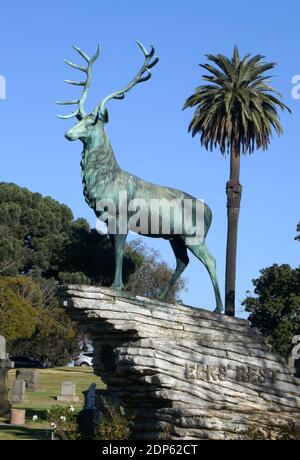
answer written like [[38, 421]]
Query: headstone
[[3, 354], [31, 378], [68, 392], [5, 365], [19, 392]]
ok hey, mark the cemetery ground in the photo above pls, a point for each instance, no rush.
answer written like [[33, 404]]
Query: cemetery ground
[[38, 402]]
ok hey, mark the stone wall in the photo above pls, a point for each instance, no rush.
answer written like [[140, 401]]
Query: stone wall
[[183, 372]]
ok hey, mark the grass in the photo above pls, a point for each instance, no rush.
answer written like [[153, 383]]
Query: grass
[[40, 401]]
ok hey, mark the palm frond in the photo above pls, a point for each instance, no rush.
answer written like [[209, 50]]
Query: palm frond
[[237, 104]]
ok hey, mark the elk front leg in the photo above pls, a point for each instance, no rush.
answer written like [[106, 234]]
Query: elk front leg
[[118, 243]]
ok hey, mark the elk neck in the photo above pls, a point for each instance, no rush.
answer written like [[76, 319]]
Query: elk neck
[[99, 167]]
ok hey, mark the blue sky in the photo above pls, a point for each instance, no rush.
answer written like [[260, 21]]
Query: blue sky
[[147, 129]]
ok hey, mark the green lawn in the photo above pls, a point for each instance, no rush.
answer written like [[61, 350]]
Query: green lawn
[[39, 402]]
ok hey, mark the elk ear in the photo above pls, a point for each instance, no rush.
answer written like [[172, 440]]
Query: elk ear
[[105, 117]]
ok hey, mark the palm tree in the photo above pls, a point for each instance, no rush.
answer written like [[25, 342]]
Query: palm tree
[[236, 111]]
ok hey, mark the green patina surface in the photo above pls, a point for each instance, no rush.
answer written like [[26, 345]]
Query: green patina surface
[[104, 181]]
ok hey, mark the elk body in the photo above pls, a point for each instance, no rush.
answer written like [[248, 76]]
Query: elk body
[[104, 182]]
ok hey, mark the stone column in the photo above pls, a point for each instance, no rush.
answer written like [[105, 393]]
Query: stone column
[[5, 365]]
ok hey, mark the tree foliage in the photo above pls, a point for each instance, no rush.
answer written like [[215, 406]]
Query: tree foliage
[[237, 105], [53, 335], [19, 305], [53, 340], [34, 230], [275, 310]]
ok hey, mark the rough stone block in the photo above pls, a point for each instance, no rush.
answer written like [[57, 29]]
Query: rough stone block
[[19, 392], [184, 372]]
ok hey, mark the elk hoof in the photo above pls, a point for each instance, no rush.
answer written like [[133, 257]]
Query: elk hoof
[[117, 288]]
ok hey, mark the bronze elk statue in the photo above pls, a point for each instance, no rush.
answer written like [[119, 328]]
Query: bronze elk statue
[[162, 210]]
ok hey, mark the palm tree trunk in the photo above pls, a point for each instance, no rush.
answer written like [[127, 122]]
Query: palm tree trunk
[[234, 194]]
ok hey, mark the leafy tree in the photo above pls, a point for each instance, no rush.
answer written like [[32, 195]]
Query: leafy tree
[[11, 253], [54, 335], [235, 111], [33, 231], [19, 302], [275, 310], [54, 338]]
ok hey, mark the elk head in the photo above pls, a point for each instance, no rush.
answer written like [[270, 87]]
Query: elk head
[[92, 124]]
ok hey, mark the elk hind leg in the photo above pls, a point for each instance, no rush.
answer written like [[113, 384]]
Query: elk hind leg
[[202, 253], [182, 260]]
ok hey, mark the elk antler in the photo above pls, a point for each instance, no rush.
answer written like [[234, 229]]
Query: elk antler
[[139, 78], [80, 113]]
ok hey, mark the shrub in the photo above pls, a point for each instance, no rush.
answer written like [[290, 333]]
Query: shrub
[[114, 426], [64, 425], [63, 422], [287, 432]]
